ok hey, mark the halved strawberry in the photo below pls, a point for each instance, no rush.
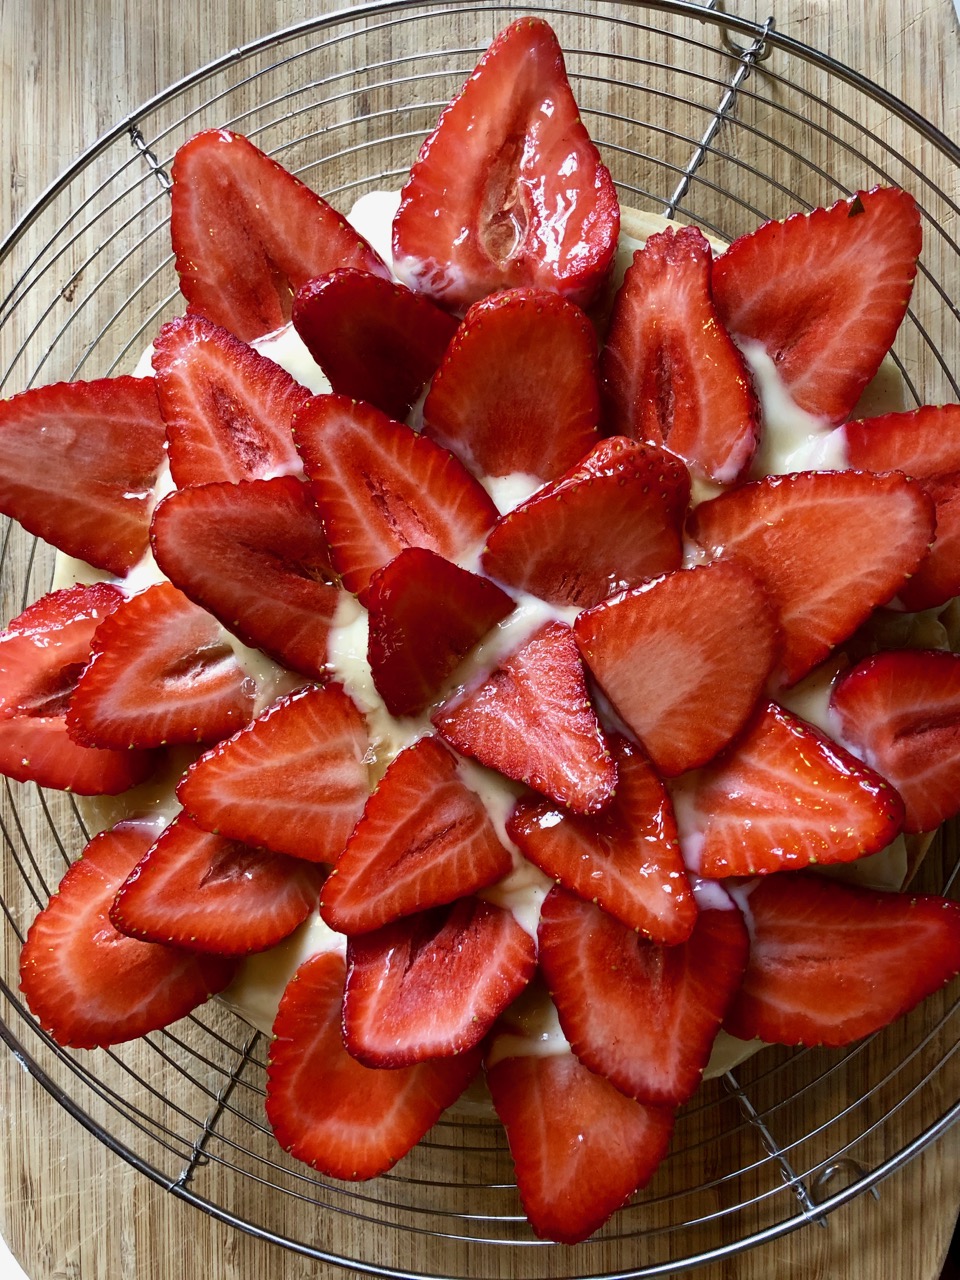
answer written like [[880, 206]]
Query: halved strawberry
[[255, 555], [78, 462], [532, 720], [611, 523], [831, 962], [374, 339], [683, 659], [345, 1119], [381, 487], [830, 545], [88, 984], [671, 374], [517, 389], [824, 293], [626, 859], [509, 190], [643, 1015], [161, 672], [247, 234], [424, 839]]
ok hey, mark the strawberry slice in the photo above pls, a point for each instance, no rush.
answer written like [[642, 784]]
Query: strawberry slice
[[784, 796], [294, 780], [830, 545], [517, 389], [683, 659], [612, 522], [161, 673], [626, 859], [900, 711], [78, 462], [509, 190], [640, 1014], [425, 614], [824, 293], [325, 1108], [424, 840], [247, 234], [432, 985], [580, 1148], [381, 487], [228, 409], [255, 555], [532, 720], [375, 340], [671, 374], [831, 962], [91, 986]]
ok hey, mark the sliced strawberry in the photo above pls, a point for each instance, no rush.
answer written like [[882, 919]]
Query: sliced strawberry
[[643, 1015], [88, 984], [432, 985], [255, 555], [784, 796], [517, 389], [247, 234], [580, 1148], [162, 672], [426, 614], [375, 340], [830, 545], [900, 711], [612, 522], [381, 487], [671, 374], [228, 409], [78, 462], [509, 190], [532, 720], [294, 781], [345, 1119], [824, 293], [424, 840], [831, 962], [626, 859], [683, 659]]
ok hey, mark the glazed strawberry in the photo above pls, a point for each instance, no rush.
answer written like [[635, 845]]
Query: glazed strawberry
[[831, 962], [643, 1015], [255, 555], [830, 545], [381, 487], [824, 293], [88, 984], [517, 389], [294, 780], [612, 522], [708, 639], [671, 374], [509, 190], [425, 616], [626, 859], [327, 1109], [532, 720], [424, 840], [432, 985], [161, 673], [228, 410], [374, 339], [247, 234], [78, 461]]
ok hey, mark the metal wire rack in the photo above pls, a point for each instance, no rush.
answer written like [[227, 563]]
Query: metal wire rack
[[703, 116]]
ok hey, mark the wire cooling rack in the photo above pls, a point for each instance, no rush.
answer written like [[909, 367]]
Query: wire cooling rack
[[706, 117]]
